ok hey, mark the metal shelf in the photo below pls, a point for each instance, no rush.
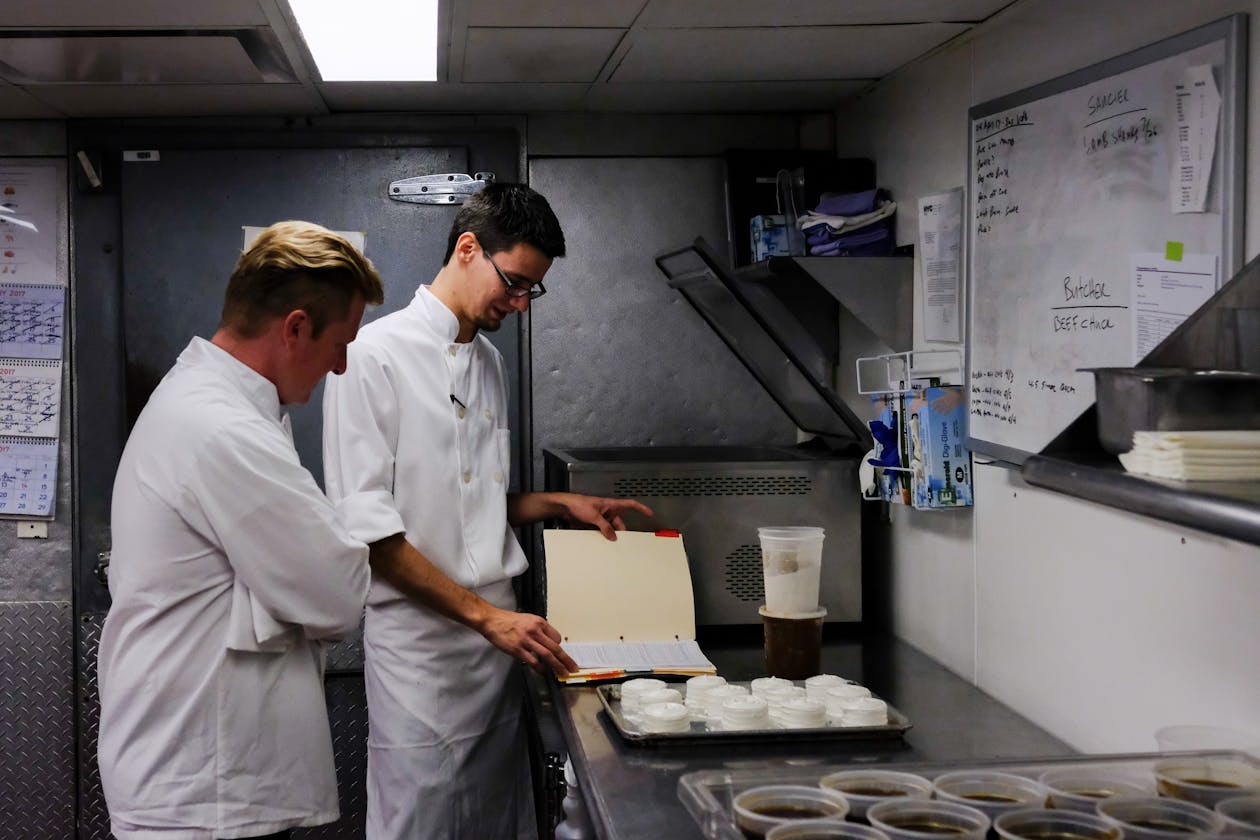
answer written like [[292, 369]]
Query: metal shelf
[[1223, 334]]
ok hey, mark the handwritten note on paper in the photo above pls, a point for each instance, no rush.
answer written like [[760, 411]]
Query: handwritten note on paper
[[638, 656], [28, 251], [30, 397], [28, 477], [31, 321], [940, 250], [1165, 293], [1197, 111]]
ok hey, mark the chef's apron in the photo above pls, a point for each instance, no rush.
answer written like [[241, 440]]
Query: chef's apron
[[447, 750]]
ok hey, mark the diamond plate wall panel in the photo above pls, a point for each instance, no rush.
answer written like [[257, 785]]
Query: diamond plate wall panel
[[347, 714], [346, 655], [36, 721], [93, 818]]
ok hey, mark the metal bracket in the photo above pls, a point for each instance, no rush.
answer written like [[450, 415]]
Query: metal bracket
[[439, 189]]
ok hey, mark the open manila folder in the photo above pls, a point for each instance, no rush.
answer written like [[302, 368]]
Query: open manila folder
[[623, 607]]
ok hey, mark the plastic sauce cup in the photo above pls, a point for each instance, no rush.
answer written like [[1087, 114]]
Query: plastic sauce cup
[[864, 788], [1047, 824], [991, 792], [1157, 818], [825, 830], [927, 819], [1241, 813], [759, 809], [1081, 788]]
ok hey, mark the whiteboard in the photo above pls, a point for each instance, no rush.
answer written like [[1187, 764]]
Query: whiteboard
[[1069, 181]]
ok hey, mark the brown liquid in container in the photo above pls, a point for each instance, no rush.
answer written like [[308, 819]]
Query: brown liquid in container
[[983, 796], [793, 646], [1164, 825], [784, 812], [927, 827], [886, 793], [1055, 834]]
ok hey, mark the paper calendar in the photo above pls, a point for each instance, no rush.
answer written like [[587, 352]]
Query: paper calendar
[[31, 320], [30, 397], [28, 476]]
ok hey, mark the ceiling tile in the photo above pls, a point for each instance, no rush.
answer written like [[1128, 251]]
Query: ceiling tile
[[152, 59], [734, 13], [537, 55], [131, 14], [452, 98], [528, 13], [721, 97], [178, 100], [733, 55]]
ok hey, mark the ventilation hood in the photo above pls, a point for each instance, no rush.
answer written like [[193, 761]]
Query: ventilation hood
[[781, 318]]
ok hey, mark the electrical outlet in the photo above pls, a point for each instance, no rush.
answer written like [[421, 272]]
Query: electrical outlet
[[32, 530]]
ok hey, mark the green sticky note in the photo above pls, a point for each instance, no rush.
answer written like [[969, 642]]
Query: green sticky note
[[1173, 251]]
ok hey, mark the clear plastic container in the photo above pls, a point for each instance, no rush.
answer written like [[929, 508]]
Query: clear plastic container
[[708, 794], [791, 561], [1193, 737], [1048, 824], [864, 788], [759, 809], [928, 818], [1241, 813], [1159, 818], [1206, 781], [825, 830], [1081, 787], [990, 791]]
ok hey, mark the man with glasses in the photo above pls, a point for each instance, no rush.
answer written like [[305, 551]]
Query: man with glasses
[[417, 455]]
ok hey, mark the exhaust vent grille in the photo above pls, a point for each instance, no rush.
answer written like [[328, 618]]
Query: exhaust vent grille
[[744, 579], [714, 485]]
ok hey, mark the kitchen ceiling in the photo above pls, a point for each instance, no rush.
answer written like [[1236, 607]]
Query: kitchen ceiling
[[138, 58]]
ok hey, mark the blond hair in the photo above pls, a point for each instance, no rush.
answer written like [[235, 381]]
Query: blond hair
[[297, 265]]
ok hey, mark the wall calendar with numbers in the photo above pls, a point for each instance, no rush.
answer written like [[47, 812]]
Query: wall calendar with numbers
[[32, 334], [28, 476]]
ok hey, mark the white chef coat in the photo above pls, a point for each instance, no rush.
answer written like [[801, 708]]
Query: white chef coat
[[416, 441], [220, 534]]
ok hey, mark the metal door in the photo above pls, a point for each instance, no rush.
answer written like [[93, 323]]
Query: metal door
[[153, 252]]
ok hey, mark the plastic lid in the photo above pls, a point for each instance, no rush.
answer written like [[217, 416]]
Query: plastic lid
[[818, 613]]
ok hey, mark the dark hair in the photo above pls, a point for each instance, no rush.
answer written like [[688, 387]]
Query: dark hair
[[297, 265], [504, 215]]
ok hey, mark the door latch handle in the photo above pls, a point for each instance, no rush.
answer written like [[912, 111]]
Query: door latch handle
[[451, 188], [101, 569]]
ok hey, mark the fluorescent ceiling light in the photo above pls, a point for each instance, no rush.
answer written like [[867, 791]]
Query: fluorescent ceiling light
[[371, 40]]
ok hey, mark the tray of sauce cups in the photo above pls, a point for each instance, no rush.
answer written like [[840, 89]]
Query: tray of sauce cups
[[707, 708], [1156, 796]]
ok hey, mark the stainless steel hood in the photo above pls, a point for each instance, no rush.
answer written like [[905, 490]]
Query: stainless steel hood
[[782, 318]]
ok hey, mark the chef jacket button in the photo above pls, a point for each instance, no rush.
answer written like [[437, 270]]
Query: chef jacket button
[[489, 414], [498, 477], [467, 476], [459, 412], [453, 350]]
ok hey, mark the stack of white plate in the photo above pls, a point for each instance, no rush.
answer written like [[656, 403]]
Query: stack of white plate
[[666, 717], [802, 713], [697, 691], [748, 712]]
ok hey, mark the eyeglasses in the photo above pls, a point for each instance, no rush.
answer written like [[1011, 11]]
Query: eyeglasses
[[515, 289]]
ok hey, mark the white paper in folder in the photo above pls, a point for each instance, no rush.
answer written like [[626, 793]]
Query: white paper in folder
[[624, 605]]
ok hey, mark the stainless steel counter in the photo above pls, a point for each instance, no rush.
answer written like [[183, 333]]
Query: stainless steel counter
[[631, 791]]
